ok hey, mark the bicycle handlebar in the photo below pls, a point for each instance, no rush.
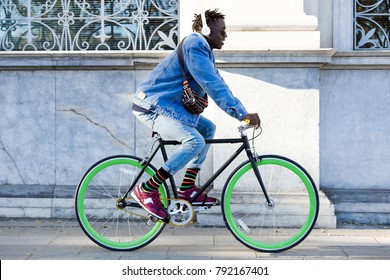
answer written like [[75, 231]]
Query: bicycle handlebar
[[246, 126], [243, 127]]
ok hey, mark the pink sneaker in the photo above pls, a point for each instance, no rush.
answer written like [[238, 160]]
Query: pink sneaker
[[150, 202], [202, 199]]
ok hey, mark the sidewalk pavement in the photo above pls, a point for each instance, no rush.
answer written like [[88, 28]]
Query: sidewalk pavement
[[29, 239]]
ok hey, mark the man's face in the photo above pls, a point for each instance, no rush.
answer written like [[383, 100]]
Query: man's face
[[217, 35]]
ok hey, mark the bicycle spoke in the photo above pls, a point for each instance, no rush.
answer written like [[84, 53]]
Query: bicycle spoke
[[114, 182]]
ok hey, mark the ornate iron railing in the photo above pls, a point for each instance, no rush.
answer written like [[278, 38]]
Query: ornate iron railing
[[77, 25], [371, 24]]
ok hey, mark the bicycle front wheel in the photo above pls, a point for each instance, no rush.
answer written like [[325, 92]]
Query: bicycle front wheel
[[97, 205], [282, 223]]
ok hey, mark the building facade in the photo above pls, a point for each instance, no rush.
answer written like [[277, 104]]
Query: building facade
[[315, 71]]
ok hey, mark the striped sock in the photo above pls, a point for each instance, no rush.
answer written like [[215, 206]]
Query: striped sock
[[157, 179], [189, 178]]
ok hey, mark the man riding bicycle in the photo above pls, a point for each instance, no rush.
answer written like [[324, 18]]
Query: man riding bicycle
[[158, 104]]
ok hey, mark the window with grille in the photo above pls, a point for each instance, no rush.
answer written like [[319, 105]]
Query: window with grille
[[94, 25], [371, 24]]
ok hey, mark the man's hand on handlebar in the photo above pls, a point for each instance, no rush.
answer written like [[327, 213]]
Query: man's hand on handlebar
[[252, 119]]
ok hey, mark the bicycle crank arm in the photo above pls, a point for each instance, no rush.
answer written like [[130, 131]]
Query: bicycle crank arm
[[202, 208], [123, 203]]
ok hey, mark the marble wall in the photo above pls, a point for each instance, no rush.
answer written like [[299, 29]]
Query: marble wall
[[56, 123]]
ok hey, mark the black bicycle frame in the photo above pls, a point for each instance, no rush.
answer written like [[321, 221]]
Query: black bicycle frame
[[244, 146]]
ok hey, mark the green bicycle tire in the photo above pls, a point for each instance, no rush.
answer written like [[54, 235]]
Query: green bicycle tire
[[284, 224], [113, 228]]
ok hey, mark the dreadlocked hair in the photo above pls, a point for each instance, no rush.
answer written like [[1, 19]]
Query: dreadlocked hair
[[210, 16]]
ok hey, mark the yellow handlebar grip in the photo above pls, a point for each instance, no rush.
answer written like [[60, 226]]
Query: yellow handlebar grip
[[247, 121]]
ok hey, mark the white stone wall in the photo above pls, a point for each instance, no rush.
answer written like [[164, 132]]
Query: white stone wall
[[355, 131], [287, 101]]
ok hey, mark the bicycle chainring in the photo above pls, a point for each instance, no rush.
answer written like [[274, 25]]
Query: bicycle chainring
[[181, 212]]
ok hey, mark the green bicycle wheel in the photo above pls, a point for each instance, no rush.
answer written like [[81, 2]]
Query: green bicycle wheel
[[276, 226], [97, 194]]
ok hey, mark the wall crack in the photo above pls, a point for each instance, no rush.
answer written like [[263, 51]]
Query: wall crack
[[96, 124], [12, 160]]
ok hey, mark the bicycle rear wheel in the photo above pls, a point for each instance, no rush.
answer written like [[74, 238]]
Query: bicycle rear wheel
[[96, 204], [273, 227]]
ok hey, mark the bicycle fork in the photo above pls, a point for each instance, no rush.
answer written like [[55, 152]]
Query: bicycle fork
[[252, 160]]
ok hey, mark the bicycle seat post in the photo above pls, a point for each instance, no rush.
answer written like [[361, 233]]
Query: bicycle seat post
[[157, 138]]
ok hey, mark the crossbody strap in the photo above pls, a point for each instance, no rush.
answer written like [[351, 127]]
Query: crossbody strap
[[181, 60]]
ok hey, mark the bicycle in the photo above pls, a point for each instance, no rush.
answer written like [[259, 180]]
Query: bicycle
[[269, 202]]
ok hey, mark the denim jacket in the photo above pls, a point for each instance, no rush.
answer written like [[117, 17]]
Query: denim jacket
[[161, 92]]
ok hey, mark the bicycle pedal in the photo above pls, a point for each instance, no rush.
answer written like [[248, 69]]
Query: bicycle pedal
[[152, 219]]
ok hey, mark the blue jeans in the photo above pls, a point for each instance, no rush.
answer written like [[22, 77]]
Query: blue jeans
[[193, 150]]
